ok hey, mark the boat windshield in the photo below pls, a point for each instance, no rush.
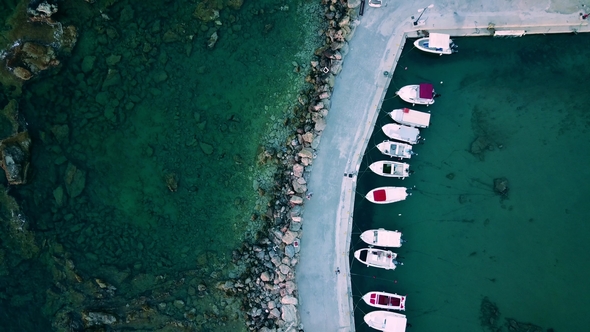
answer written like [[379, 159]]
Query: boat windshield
[[375, 236]]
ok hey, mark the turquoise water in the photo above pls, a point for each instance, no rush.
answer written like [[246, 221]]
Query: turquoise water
[[146, 160], [477, 261]]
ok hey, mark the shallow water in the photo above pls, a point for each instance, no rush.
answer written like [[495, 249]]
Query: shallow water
[[527, 253], [168, 149]]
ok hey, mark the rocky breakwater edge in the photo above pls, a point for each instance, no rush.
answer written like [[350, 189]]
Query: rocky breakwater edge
[[268, 283]]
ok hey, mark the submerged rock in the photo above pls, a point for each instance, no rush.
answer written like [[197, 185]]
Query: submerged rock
[[75, 180], [501, 186], [15, 157], [98, 318]]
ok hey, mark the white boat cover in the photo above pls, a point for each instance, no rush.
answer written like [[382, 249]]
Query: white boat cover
[[386, 321], [439, 40], [410, 117]]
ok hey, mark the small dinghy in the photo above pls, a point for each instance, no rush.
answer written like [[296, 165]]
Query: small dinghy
[[396, 149], [410, 117], [383, 259], [386, 195], [422, 94], [386, 321], [383, 300], [437, 43], [391, 169], [382, 238], [402, 133]]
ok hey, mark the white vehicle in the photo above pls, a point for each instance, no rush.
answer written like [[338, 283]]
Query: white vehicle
[[422, 94], [437, 43], [402, 133], [395, 149], [383, 259], [386, 195], [386, 321], [382, 238], [391, 169], [410, 117]]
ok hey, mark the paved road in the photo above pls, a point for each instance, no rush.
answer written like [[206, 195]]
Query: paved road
[[325, 305]]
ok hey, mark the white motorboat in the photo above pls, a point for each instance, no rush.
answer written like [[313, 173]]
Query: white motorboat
[[410, 117], [402, 133], [396, 149], [422, 94], [437, 43], [391, 169], [383, 259], [382, 238], [386, 195], [387, 321], [385, 300]]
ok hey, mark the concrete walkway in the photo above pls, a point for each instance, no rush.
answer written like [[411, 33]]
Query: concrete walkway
[[324, 295]]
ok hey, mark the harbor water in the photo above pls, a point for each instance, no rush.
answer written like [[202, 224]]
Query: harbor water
[[477, 260]]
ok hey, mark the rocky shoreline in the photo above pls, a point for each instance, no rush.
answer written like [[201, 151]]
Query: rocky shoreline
[[268, 286], [265, 283]]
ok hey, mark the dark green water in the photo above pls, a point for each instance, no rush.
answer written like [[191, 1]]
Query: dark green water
[[526, 99], [143, 106]]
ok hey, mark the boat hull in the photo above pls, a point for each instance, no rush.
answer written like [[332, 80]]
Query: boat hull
[[383, 300], [390, 169], [382, 238], [387, 195], [379, 258], [395, 149], [386, 321], [411, 94], [402, 133], [423, 45]]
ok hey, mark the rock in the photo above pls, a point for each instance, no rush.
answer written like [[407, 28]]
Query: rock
[[88, 63], [111, 60], [98, 318], [298, 170], [58, 195], [271, 305], [307, 137], [160, 76], [15, 157], [306, 153], [274, 313], [296, 200], [207, 148], [265, 276], [290, 251], [289, 237], [284, 269], [179, 304], [112, 78], [501, 186], [22, 73], [213, 40], [289, 313], [290, 287], [288, 299], [320, 124], [75, 180], [299, 188]]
